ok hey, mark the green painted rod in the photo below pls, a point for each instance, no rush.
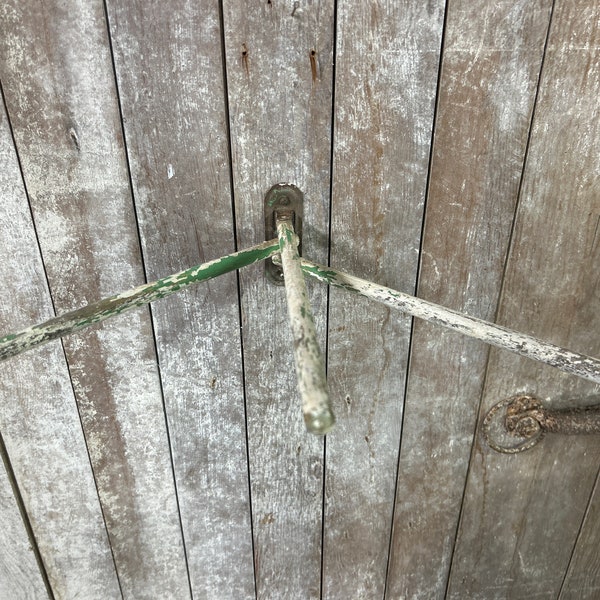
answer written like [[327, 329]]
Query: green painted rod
[[310, 366], [496, 335], [15, 343]]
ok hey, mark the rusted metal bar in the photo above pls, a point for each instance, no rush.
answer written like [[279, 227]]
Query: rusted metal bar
[[520, 422], [15, 343], [496, 335], [310, 366]]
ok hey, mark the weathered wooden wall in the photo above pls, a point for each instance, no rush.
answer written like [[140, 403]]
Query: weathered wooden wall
[[444, 148]]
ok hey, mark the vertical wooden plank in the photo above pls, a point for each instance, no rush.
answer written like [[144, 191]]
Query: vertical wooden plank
[[60, 94], [583, 575], [20, 575], [39, 421], [491, 60], [170, 74], [279, 73], [522, 513], [387, 63]]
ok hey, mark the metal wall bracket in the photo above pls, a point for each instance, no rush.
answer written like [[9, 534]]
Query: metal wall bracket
[[282, 197], [520, 422]]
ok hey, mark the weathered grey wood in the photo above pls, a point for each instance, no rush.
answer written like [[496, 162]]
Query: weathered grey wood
[[522, 513], [583, 575], [41, 428], [491, 60], [280, 108], [386, 72], [170, 74], [20, 575], [57, 72]]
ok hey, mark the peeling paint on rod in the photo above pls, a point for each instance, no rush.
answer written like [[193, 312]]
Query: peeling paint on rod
[[15, 343], [496, 335], [310, 366]]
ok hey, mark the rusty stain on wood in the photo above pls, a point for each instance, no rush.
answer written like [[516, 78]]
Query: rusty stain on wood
[[245, 59], [314, 69]]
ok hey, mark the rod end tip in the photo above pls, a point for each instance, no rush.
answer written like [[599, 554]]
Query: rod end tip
[[319, 423]]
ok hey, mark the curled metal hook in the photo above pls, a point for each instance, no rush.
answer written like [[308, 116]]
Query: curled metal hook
[[518, 423], [511, 426]]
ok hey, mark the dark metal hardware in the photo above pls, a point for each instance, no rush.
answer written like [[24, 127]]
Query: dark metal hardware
[[282, 197], [520, 422]]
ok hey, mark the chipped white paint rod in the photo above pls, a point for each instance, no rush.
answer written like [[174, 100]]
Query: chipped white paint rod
[[310, 366], [496, 335]]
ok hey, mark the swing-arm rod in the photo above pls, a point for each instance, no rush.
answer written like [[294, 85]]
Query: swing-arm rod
[[310, 366], [81, 318], [496, 335]]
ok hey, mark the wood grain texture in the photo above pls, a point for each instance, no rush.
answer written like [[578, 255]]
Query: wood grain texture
[[280, 110], [41, 428], [170, 74], [59, 87], [522, 513], [491, 60], [20, 575], [387, 62], [583, 575]]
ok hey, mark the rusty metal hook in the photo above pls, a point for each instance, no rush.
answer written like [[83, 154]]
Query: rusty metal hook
[[525, 421]]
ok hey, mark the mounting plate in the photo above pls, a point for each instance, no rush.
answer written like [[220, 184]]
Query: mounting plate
[[282, 196]]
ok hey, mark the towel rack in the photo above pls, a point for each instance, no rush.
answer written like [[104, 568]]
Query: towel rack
[[310, 368]]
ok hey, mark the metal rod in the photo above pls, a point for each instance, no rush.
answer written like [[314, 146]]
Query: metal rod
[[571, 421], [310, 367], [496, 335], [81, 318]]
